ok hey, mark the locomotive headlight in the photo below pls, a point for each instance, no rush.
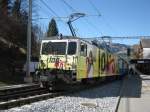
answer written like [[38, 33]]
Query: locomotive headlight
[[68, 65]]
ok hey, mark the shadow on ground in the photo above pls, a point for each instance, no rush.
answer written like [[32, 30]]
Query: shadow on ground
[[131, 87]]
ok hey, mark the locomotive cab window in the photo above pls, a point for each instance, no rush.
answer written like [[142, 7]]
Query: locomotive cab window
[[83, 49], [72, 46]]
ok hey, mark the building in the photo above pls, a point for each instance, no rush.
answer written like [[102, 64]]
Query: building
[[142, 59], [144, 49], [135, 51]]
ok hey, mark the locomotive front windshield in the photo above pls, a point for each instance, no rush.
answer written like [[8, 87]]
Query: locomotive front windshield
[[54, 48], [59, 48]]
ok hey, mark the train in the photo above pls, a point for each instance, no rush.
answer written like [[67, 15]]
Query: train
[[72, 60]]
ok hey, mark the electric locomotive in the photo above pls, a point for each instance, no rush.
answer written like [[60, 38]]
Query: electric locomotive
[[73, 60]]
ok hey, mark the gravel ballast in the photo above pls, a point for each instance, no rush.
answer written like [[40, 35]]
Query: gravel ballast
[[99, 99]]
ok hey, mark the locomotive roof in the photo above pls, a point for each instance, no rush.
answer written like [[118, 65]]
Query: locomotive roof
[[66, 37], [93, 42], [63, 37]]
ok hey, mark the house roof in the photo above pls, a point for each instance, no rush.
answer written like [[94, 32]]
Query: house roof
[[145, 43]]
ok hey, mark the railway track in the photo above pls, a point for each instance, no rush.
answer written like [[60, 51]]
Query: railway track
[[23, 93], [17, 88], [14, 97], [20, 95], [28, 95]]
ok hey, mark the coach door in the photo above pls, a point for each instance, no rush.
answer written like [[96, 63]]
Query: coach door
[[81, 66]]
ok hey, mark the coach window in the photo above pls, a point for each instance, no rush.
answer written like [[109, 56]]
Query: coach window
[[83, 49]]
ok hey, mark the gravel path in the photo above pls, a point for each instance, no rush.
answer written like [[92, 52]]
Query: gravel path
[[100, 99]]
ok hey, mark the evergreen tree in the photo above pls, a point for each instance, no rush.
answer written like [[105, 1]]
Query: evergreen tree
[[52, 29]]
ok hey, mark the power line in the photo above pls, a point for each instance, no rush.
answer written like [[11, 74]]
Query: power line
[[49, 8], [123, 37], [52, 11], [92, 25], [64, 9], [95, 8], [44, 11], [69, 6], [72, 9], [132, 37]]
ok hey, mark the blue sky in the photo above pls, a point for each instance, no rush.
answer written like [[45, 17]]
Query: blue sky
[[118, 17]]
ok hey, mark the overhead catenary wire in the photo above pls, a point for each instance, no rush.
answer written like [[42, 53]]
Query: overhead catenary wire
[[53, 12], [50, 9], [104, 19], [49, 13], [88, 22], [72, 9], [69, 6], [35, 14], [95, 8], [92, 25], [123, 37]]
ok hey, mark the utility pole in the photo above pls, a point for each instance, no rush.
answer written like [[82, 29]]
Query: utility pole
[[28, 78]]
